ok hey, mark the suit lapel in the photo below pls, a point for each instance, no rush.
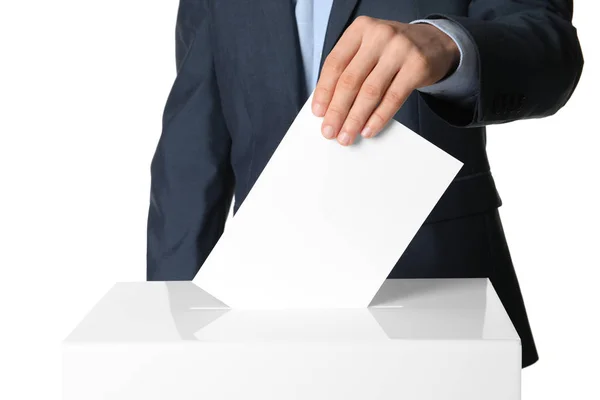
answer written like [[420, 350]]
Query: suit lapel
[[341, 11]]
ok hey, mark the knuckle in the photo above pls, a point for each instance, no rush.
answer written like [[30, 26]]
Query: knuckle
[[371, 91], [377, 119], [394, 98], [323, 92], [384, 31], [362, 21], [333, 63], [401, 43], [334, 112], [348, 80], [353, 120]]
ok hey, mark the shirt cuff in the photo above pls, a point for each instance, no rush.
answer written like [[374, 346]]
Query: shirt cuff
[[462, 85]]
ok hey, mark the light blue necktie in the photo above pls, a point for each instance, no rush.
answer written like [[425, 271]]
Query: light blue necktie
[[311, 19]]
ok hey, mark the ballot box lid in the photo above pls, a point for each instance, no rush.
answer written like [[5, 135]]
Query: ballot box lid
[[403, 309]]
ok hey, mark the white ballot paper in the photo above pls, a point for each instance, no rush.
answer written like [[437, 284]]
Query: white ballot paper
[[325, 224]]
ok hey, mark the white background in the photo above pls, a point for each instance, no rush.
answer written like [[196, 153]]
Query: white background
[[82, 88]]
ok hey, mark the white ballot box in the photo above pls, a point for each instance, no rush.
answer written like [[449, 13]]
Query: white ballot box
[[440, 339]]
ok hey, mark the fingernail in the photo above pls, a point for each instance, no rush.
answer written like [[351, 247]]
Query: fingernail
[[344, 139], [366, 132], [317, 110], [328, 131]]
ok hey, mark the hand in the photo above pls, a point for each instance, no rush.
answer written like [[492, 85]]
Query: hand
[[373, 69]]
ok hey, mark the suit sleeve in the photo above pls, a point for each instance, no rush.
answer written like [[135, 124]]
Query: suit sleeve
[[529, 60], [191, 176]]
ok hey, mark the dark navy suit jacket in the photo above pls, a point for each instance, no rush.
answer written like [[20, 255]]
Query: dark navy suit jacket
[[240, 84]]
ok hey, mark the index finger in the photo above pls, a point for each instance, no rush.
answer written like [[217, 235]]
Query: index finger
[[335, 63]]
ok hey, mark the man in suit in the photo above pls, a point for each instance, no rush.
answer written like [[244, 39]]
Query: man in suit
[[443, 68]]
